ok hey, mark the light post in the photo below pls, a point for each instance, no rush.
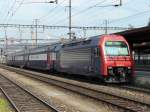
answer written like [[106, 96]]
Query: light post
[[6, 40], [70, 19]]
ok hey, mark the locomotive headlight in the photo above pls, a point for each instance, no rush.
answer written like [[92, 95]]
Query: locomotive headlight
[[129, 70], [129, 67], [110, 70]]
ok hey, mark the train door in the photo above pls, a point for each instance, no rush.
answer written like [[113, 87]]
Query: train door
[[51, 57], [49, 61], [96, 61], [26, 59], [57, 51]]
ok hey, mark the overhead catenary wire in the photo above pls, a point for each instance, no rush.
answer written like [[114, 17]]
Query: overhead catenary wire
[[127, 17], [96, 13], [84, 10], [54, 14], [51, 10], [103, 6], [10, 10], [89, 14], [134, 15], [92, 18], [113, 21], [5, 10], [14, 12]]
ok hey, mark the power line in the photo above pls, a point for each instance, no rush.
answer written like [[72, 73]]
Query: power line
[[57, 16], [8, 11], [24, 39], [62, 20], [61, 27], [137, 14], [13, 13], [127, 17], [45, 16], [11, 9], [96, 15], [40, 2], [90, 8], [36, 30], [96, 5]]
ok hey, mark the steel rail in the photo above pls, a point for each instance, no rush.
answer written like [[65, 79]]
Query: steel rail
[[138, 89], [9, 99], [30, 93], [118, 101]]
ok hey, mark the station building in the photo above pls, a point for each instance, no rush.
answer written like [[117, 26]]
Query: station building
[[139, 40]]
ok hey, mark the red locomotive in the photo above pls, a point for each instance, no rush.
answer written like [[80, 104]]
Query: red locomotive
[[116, 59]]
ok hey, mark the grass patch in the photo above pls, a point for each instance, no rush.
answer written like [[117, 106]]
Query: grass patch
[[4, 106]]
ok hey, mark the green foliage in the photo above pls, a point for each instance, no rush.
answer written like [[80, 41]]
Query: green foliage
[[4, 107]]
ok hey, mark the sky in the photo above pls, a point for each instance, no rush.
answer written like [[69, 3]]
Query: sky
[[132, 13]]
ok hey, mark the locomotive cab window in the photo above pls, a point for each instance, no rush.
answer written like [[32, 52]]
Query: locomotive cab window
[[97, 52], [116, 48]]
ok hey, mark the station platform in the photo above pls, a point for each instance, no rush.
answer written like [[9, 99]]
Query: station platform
[[142, 67], [142, 75], [142, 78]]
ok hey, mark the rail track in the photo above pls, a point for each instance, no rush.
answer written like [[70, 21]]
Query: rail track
[[5, 105], [21, 99], [127, 104], [138, 89], [131, 88]]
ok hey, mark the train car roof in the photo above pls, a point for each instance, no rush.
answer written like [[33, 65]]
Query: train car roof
[[92, 41], [77, 43]]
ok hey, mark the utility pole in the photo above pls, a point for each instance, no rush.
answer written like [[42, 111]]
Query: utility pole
[[36, 31], [6, 40], [84, 33], [20, 34], [32, 37], [149, 22], [1, 52], [106, 26], [120, 2], [70, 28]]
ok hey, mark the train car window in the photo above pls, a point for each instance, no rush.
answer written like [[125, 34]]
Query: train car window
[[63, 46], [75, 44], [96, 52], [116, 48], [71, 44], [86, 42]]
